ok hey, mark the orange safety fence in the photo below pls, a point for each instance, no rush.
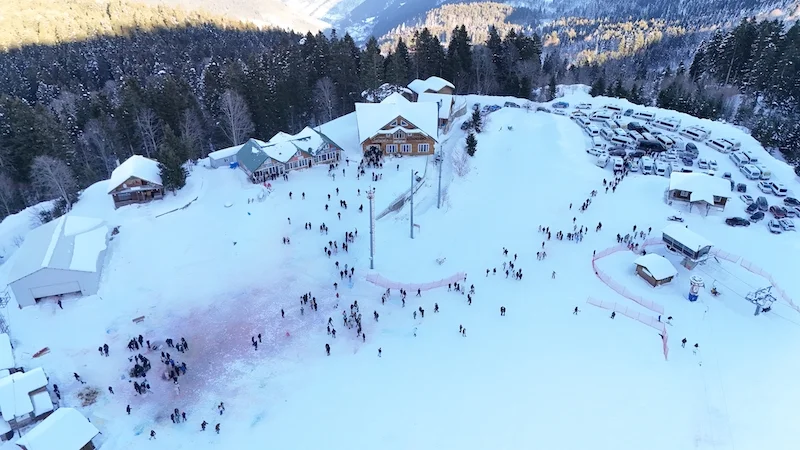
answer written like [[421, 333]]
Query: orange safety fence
[[636, 315], [620, 289], [383, 282]]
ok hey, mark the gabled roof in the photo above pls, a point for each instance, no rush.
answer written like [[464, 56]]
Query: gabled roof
[[702, 187], [687, 237], [444, 102], [395, 98], [67, 243], [65, 429], [308, 140], [225, 152], [250, 156], [371, 117], [658, 266], [15, 390], [280, 151], [136, 166], [434, 84]]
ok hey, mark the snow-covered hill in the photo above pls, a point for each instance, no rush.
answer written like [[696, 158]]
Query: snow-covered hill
[[538, 376]]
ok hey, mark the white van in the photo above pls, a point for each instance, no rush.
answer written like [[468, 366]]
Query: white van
[[619, 164], [644, 115], [592, 130], [636, 136], [766, 174], [598, 143], [736, 145], [779, 189], [614, 108], [695, 133], [648, 137], [612, 123], [663, 169], [601, 116], [646, 164], [607, 133], [739, 158], [583, 121], [602, 161], [720, 145], [751, 157], [750, 171], [667, 123], [623, 141], [666, 141]]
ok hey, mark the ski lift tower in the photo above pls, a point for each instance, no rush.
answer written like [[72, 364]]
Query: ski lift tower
[[762, 298]]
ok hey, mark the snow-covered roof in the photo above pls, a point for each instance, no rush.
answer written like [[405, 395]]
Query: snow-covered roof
[[658, 266], [685, 236], [395, 98], [309, 140], [445, 99], [136, 166], [372, 117], [280, 151], [6, 352], [15, 394], [225, 152], [67, 243], [65, 429], [434, 84], [702, 187]]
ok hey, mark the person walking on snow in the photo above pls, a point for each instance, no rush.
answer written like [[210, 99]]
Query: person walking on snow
[[216, 428], [221, 408], [576, 311], [78, 377], [203, 426], [152, 434], [554, 275], [419, 293], [613, 314], [379, 352], [696, 347], [328, 349], [683, 342], [128, 410], [110, 389]]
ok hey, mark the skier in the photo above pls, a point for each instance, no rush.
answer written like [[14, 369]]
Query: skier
[[328, 349], [78, 377]]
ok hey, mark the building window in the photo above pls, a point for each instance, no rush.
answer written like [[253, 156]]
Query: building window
[[405, 148], [391, 148], [399, 134], [403, 123], [393, 124], [423, 148]]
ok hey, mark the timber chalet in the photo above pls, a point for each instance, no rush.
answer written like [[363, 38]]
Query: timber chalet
[[397, 126]]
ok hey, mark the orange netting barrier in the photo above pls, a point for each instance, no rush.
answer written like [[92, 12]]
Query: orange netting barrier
[[383, 282], [618, 288], [635, 315]]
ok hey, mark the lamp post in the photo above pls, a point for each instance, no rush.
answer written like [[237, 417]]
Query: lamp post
[[371, 197]]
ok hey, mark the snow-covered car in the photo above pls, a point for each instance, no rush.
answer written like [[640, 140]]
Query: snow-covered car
[[737, 222], [757, 217], [762, 204], [560, 112], [688, 162], [792, 211], [702, 163], [787, 224], [466, 125], [777, 211], [628, 112], [765, 187], [510, 105], [594, 151], [634, 165], [560, 105], [752, 208], [712, 164], [542, 109], [791, 201], [577, 113], [583, 106], [774, 226], [748, 200]]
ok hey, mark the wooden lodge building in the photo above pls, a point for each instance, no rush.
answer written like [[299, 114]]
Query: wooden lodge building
[[431, 85], [137, 180], [398, 127]]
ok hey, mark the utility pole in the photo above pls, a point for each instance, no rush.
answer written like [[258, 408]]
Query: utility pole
[[412, 203], [371, 197], [439, 160]]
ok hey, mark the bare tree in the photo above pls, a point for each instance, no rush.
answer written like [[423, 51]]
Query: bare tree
[[100, 144], [7, 190], [235, 120], [460, 162], [485, 81], [192, 134], [325, 98], [147, 126], [54, 178]]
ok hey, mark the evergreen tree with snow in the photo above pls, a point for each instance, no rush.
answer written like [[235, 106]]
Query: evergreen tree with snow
[[472, 144], [598, 87], [171, 156], [477, 120]]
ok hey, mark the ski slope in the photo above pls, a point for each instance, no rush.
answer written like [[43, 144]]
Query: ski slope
[[539, 376]]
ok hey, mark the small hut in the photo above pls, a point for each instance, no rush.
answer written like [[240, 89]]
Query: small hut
[[655, 269]]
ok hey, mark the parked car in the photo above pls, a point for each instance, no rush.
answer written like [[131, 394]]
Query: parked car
[[577, 113], [702, 163], [542, 109], [712, 164], [688, 162], [617, 152], [595, 151], [691, 147], [774, 226], [583, 106], [751, 208], [737, 222], [637, 154], [560, 112], [792, 211], [628, 112], [748, 200], [510, 105], [787, 224], [741, 187], [560, 105], [762, 204], [777, 211], [467, 125], [635, 126], [765, 187], [727, 175], [757, 216], [791, 201]]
